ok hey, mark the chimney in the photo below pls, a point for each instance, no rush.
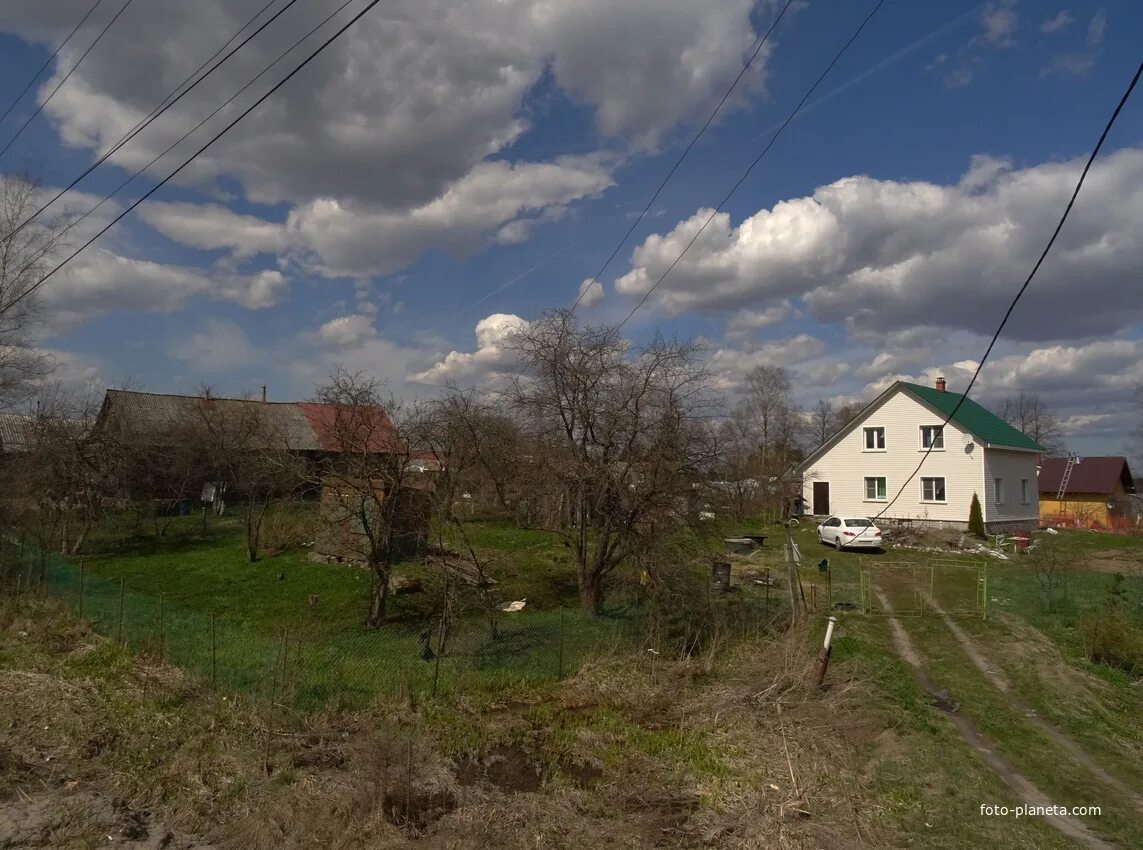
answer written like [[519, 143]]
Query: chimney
[[263, 394], [941, 385]]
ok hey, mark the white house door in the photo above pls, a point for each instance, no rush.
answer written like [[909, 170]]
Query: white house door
[[821, 498]]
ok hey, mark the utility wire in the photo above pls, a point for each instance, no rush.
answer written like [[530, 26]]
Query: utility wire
[[71, 71], [755, 162], [48, 61], [1020, 293], [158, 111], [76, 222], [751, 166], [199, 152], [683, 155]]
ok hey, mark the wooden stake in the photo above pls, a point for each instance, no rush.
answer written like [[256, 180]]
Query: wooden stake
[[119, 626], [213, 654]]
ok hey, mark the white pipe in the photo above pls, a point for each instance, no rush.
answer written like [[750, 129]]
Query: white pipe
[[829, 632]]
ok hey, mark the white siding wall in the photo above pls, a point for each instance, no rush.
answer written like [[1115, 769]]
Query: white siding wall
[[1011, 467], [846, 465]]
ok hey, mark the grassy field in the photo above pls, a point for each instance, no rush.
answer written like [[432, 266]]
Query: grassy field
[[291, 629], [579, 715]]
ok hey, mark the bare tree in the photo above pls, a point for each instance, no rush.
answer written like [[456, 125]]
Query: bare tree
[[375, 500], [846, 413], [615, 432], [769, 401], [245, 450], [1028, 413], [25, 253], [66, 474], [738, 467], [822, 420]]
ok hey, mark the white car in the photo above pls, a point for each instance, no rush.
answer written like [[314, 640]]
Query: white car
[[850, 533]]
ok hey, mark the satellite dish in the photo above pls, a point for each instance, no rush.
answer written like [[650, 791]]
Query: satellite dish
[[968, 441]]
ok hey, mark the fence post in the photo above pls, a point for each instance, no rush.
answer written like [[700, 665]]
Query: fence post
[[213, 654], [560, 672], [119, 627], [767, 615]]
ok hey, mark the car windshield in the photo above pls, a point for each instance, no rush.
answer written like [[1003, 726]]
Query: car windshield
[[858, 523]]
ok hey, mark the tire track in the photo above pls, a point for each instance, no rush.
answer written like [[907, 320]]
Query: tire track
[[1027, 791], [1078, 754]]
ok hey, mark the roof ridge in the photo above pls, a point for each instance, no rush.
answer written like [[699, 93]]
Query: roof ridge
[[201, 398]]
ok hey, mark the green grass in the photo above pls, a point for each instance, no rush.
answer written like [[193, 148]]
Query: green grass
[[926, 781], [1027, 747], [198, 603]]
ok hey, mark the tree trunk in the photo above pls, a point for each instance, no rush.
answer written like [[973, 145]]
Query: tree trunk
[[380, 600], [591, 592]]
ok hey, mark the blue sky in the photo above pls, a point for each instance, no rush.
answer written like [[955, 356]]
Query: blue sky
[[446, 172]]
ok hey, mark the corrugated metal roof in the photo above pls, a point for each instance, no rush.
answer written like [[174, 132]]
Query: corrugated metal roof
[[1090, 475], [299, 424], [17, 432], [977, 420]]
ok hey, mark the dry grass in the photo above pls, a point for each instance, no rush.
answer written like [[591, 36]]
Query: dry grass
[[730, 750]]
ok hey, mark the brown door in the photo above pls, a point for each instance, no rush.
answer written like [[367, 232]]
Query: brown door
[[821, 498]]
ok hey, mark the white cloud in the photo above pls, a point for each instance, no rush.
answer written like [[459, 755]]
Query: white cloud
[[414, 96], [491, 355], [99, 281], [342, 239], [745, 321], [347, 331], [999, 23], [883, 255], [209, 226], [730, 365], [590, 292], [1096, 29], [1059, 22], [219, 346]]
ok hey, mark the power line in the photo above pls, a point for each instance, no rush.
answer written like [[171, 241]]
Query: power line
[[1020, 293], [755, 162], [159, 110], [687, 150], [48, 61], [200, 151], [71, 71], [76, 222]]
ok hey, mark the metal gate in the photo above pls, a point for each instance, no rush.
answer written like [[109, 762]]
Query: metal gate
[[958, 588]]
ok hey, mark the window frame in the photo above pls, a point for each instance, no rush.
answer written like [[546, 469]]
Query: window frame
[[872, 430], [939, 431], [1024, 500], [884, 488], [944, 488], [997, 490]]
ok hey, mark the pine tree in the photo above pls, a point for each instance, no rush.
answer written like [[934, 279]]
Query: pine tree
[[976, 518]]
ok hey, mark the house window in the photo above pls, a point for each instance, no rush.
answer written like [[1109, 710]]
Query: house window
[[998, 485], [933, 490], [932, 437], [874, 439], [1023, 491], [875, 490]]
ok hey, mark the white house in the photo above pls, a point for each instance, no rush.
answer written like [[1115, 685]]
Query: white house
[[862, 469]]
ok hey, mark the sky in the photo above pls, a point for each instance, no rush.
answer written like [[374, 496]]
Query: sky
[[445, 172]]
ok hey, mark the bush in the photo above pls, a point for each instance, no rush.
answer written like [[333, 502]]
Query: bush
[[1109, 637], [975, 518]]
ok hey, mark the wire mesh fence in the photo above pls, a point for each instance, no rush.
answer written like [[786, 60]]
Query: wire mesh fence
[[312, 661]]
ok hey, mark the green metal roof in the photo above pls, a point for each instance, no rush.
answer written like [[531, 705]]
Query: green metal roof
[[979, 421]]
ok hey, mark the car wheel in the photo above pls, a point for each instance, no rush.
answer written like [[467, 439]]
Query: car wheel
[[837, 543]]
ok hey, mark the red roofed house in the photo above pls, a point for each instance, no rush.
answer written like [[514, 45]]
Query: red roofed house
[[1096, 493]]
